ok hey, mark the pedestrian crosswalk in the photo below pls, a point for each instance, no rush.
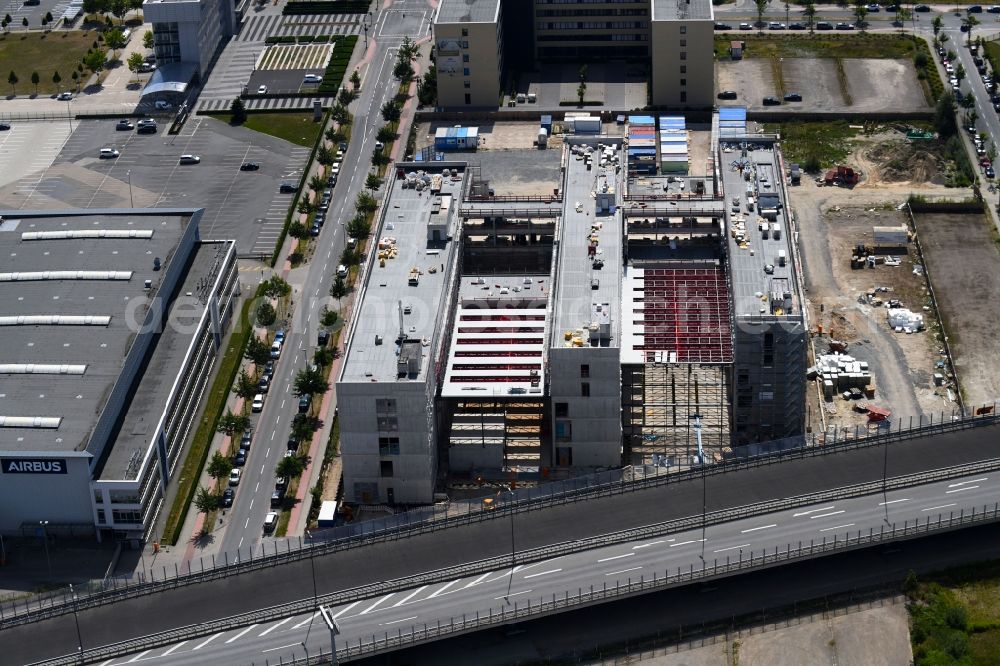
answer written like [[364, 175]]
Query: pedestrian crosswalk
[[257, 28], [266, 104]]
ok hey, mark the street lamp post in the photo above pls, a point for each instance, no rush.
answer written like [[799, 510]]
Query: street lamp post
[[76, 618], [331, 623], [130, 200], [510, 580], [45, 541]]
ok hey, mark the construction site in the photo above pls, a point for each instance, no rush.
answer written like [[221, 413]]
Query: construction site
[[628, 315]]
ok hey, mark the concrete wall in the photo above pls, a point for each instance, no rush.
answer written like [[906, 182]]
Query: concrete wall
[[414, 468], [482, 45], [682, 53], [592, 427]]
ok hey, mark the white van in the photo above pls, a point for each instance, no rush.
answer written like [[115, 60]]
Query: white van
[[276, 349], [270, 522], [342, 270]]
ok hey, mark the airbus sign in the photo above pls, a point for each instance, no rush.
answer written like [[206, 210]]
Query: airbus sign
[[33, 465]]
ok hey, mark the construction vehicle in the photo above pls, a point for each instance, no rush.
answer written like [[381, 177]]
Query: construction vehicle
[[844, 176]]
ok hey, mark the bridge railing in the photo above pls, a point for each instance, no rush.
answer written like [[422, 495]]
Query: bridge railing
[[529, 608], [430, 519]]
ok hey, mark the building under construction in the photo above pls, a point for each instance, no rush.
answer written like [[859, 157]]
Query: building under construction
[[620, 320]]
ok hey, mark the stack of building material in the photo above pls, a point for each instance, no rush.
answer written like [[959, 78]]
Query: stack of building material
[[840, 372], [641, 145], [732, 121], [674, 156], [902, 320]]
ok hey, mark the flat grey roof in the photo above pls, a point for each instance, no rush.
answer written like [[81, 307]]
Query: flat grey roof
[[747, 263], [165, 363], [77, 399], [681, 10], [404, 234], [467, 11], [575, 294]]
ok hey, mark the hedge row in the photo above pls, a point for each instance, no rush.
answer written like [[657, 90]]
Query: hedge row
[[301, 39], [337, 67]]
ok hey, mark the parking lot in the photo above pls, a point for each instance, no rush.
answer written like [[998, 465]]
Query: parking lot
[[245, 205], [869, 85], [34, 13], [282, 80]]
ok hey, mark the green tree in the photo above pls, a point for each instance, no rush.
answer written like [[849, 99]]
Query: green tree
[[205, 500], [12, 80], [323, 356], [266, 314], [94, 61], [298, 230], [24, 22], [761, 6], [219, 466], [408, 50], [339, 288], [230, 424], [944, 116], [135, 5], [147, 40], [390, 112], [35, 79], [305, 206], [135, 63], [340, 114], [581, 92], [403, 71], [277, 287], [969, 22], [290, 467], [860, 12], [427, 88], [356, 80], [56, 79], [246, 387], [346, 96], [310, 382], [328, 317], [119, 8], [303, 427], [350, 256], [258, 351], [359, 227], [936, 25], [365, 203], [76, 79], [386, 134], [324, 156], [373, 182], [960, 73], [96, 6], [237, 111], [810, 13], [115, 39], [317, 183], [380, 158]]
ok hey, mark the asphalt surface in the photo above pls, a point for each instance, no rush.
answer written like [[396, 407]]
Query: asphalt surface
[[388, 561], [410, 611], [310, 294]]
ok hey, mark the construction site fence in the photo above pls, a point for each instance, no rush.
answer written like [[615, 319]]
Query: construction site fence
[[506, 502]]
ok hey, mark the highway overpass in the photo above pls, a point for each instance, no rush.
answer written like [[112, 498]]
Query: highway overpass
[[584, 520]]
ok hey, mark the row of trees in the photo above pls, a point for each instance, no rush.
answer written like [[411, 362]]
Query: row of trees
[[117, 8]]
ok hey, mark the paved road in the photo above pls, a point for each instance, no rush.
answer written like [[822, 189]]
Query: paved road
[[311, 293], [382, 562], [410, 610]]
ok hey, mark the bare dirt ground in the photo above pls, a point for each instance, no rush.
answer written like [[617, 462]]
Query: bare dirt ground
[[831, 220], [844, 640], [964, 268], [872, 85]]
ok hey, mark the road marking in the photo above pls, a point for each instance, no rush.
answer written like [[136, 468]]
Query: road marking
[[762, 527], [238, 546], [512, 595], [684, 543], [257, 487], [806, 513], [306, 621], [138, 656], [838, 527], [283, 647], [206, 641], [613, 573], [722, 550], [262, 467], [408, 597], [616, 557], [345, 609], [958, 490], [246, 524], [375, 605], [477, 581], [239, 635], [543, 573], [647, 545], [824, 515], [272, 628], [251, 501], [942, 506], [442, 589], [273, 432], [405, 619], [963, 483], [894, 501]]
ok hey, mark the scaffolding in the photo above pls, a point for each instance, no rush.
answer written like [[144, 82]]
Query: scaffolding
[[509, 434], [685, 314]]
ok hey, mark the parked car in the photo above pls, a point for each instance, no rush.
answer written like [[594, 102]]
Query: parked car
[[379, 146], [771, 101], [288, 188], [146, 68], [727, 94], [4, 127], [331, 181], [775, 25], [124, 125], [312, 78], [797, 26], [146, 126], [279, 336], [342, 145], [109, 153], [990, 173], [263, 384], [275, 350], [65, 96], [922, 8], [323, 339], [975, 9], [270, 522], [873, 8], [246, 439], [993, 9], [269, 369], [723, 26], [190, 159], [241, 458], [793, 97], [845, 26], [304, 402], [314, 230], [258, 403], [746, 26], [824, 25], [227, 497], [249, 166], [234, 477], [261, 90], [276, 498]]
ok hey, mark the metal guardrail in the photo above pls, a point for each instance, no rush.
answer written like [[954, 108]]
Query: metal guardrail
[[60, 603], [556, 550]]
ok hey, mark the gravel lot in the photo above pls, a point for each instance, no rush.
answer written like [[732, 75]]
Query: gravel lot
[[965, 270], [873, 85]]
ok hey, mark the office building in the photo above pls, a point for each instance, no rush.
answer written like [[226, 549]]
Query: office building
[[628, 319], [193, 32], [112, 321]]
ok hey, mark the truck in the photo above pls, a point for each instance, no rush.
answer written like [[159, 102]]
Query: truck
[[842, 175]]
